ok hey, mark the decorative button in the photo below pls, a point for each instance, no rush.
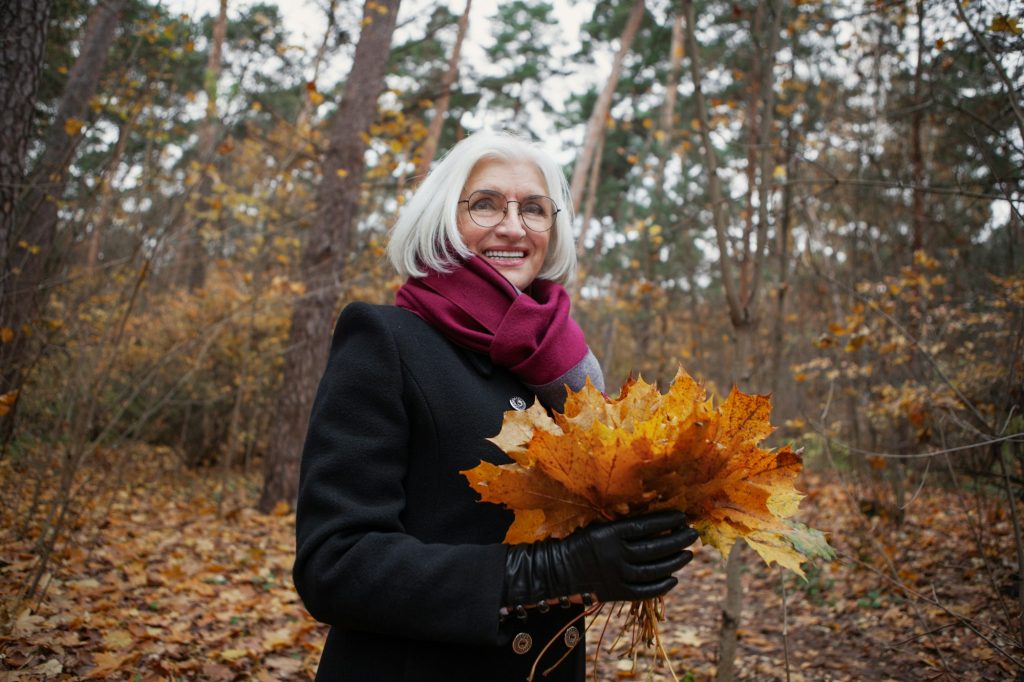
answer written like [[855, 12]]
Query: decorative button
[[522, 643], [572, 637], [517, 403]]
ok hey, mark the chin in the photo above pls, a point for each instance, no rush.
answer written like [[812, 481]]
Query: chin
[[518, 279]]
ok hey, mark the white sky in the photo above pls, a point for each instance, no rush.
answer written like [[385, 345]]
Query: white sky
[[305, 22]]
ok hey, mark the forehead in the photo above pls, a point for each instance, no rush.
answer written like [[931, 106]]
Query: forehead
[[511, 177]]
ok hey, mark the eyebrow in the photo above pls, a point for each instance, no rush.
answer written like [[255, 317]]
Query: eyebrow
[[496, 191]]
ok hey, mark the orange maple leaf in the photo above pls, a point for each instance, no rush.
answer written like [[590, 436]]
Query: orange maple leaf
[[610, 458]]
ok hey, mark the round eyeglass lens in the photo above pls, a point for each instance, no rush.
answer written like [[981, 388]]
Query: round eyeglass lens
[[488, 208], [537, 213]]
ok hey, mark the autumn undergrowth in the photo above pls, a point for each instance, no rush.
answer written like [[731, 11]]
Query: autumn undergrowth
[[151, 581], [901, 602]]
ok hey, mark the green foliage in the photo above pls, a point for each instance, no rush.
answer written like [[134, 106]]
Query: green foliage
[[873, 600], [816, 585], [809, 542], [524, 36]]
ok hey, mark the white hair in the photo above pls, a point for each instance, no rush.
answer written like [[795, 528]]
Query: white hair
[[426, 234]]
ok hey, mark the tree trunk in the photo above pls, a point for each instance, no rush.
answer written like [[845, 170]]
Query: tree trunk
[[306, 113], [429, 149], [732, 604], [26, 269], [747, 253], [588, 261], [193, 267], [599, 115], [22, 40], [732, 612], [742, 301], [107, 196], [677, 50], [782, 258], [324, 254], [736, 313], [765, 134], [916, 157], [660, 140]]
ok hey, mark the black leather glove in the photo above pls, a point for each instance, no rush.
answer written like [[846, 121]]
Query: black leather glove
[[625, 560]]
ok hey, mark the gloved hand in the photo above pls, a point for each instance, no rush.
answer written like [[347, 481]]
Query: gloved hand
[[625, 560]]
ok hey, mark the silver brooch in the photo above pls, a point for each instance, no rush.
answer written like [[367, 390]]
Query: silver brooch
[[517, 403]]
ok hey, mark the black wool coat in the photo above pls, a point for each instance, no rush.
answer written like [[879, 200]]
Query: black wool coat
[[393, 549]]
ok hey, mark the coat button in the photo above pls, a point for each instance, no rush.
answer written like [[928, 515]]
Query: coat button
[[517, 403], [522, 643], [572, 637]]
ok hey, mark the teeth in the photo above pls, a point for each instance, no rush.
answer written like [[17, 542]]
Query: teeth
[[504, 254]]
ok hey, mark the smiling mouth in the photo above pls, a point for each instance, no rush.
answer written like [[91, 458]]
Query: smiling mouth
[[502, 255]]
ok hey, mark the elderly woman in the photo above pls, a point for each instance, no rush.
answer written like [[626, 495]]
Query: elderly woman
[[393, 549]]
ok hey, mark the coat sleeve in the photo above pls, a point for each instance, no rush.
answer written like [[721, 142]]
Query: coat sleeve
[[355, 567]]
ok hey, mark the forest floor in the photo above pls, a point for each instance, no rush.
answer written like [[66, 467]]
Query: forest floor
[[156, 582]]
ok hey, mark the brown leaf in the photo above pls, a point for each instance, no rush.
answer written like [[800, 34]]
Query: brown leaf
[[108, 663]]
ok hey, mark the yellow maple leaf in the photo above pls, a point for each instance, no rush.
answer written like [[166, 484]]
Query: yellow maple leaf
[[643, 451]]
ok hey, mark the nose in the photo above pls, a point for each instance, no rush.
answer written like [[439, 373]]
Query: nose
[[511, 225]]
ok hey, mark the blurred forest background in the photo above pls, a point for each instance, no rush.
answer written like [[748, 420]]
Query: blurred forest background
[[817, 200]]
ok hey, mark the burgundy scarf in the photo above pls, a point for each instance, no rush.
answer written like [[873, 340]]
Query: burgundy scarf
[[474, 306]]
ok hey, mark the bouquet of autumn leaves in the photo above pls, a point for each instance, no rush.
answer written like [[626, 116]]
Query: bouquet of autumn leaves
[[605, 459]]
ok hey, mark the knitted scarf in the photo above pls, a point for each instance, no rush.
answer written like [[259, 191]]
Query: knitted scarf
[[531, 334]]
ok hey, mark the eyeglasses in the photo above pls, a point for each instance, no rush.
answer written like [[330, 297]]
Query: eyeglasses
[[488, 208]]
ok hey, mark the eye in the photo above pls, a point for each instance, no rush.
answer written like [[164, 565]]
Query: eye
[[483, 204], [535, 208]]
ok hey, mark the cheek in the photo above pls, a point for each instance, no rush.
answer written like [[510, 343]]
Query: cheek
[[542, 243], [466, 233]]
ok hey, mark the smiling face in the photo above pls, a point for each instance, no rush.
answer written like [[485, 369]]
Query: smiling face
[[516, 252]]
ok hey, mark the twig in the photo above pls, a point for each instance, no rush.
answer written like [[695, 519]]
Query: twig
[[920, 487], [785, 621], [917, 611], [908, 640], [661, 647], [1011, 91], [1014, 437], [975, 527], [964, 620], [835, 181], [1018, 540], [872, 305]]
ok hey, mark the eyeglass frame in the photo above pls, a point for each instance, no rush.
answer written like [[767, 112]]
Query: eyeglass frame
[[522, 221]]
